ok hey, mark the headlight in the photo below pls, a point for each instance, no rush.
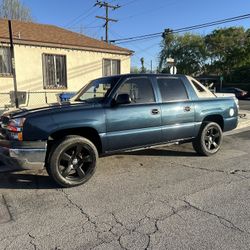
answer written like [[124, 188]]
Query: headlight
[[15, 128], [16, 125]]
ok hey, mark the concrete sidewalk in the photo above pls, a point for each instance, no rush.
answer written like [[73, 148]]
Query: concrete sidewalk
[[244, 119]]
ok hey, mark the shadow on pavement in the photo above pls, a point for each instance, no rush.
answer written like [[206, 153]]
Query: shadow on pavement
[[25, 180], [38, 179]]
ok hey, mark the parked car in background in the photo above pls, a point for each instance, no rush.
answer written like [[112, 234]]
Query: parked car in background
[[239, 93]]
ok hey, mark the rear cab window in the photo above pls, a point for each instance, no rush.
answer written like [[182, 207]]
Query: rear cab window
[[172, 89], [200, 90]]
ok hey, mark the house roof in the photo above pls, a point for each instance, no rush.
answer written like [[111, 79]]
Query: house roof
[[29, 33]]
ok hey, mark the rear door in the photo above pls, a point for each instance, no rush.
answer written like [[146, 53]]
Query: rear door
[[176, 108], [135, 124]]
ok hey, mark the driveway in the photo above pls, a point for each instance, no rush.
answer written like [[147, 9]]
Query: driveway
[[165, 198]]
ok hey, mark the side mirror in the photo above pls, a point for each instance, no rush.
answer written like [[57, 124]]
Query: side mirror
[[123, 99]]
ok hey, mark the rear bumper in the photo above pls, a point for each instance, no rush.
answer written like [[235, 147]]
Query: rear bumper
[[230, 123], [22, 155]]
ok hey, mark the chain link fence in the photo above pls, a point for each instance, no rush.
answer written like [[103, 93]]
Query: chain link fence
[[30, 98]]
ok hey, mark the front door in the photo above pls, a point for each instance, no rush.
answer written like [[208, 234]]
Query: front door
[[135, 124]]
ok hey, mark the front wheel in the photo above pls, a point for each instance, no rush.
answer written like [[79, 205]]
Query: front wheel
[[209, 140], [72, 161]]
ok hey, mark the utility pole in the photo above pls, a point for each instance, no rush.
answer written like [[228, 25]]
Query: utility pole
[[13, 63], [106, 18]]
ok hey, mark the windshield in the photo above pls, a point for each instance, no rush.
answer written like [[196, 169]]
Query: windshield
[[97, 90]]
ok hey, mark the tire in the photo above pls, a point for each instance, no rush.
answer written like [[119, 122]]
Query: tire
[[209, 140], [72, 161]]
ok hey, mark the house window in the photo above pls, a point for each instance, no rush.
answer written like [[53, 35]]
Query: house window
[[54, 71], [111, 67], [5, 61]]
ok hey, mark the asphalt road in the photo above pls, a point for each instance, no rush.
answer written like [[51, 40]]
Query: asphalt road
[[245, 104], [165, 198]]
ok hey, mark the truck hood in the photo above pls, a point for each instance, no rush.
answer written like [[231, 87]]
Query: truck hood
[[23, 111]]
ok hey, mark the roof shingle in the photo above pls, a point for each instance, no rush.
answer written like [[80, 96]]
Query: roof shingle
[[48, 35]]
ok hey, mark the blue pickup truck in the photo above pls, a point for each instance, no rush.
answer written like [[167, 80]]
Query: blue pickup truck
[[114, 114]]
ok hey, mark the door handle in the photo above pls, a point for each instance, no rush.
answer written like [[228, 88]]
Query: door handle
[[187, 108], [155, 111]]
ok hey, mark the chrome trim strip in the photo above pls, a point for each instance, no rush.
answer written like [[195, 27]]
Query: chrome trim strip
[[29, 155], [23, 158]]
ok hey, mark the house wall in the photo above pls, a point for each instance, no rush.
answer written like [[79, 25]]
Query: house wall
[[82, 66]]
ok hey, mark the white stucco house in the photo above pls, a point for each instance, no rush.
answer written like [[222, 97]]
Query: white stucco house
[[50, 60]]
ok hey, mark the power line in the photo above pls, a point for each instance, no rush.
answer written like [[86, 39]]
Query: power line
[[134, 45], [138, 47], [87, 13], [89, 25], [227, 20], [125, 4], [189, 28], [137, 39], [129, 2], [85, 17], [184, 29], [86, 27], [145, 12], [97, 33], [78, 17]]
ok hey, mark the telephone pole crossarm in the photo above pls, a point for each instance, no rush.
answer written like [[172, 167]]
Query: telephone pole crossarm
[[110, 19], [105, 4], [106, 18]]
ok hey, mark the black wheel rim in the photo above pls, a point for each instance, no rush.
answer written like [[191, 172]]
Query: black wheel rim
[[212, 138], [76, 162]]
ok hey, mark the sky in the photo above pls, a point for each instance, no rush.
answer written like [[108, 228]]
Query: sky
[[138, 17]]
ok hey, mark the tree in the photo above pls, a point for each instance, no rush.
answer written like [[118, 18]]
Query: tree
[[222, 52], [188, 51], [143, 69], [228, 49], [134, 70], [14, 9]]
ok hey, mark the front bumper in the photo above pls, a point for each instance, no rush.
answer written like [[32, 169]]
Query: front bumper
[[22, 155]]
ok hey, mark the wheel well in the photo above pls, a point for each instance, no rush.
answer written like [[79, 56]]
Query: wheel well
[[215, 118], [89, 133]]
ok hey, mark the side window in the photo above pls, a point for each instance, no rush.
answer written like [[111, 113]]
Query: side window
[[172, 89], [139, 89], [5, 61]]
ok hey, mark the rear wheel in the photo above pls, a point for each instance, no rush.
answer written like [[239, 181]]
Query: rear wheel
[[72, 161], [209, 139]]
